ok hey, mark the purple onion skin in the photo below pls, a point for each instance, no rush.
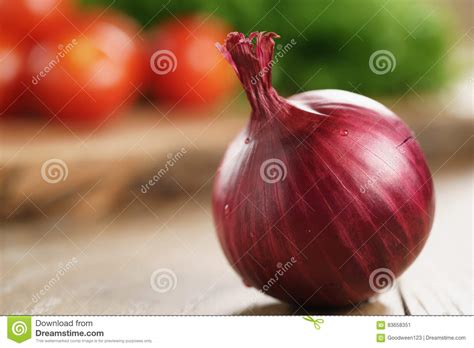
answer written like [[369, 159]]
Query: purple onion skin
[[350, 194]]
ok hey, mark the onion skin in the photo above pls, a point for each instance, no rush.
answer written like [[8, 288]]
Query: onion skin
[[349, 191]]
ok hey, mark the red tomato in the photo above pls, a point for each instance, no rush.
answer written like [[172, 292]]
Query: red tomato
[[185, 65], [87, 73], [34, 18], [12, 62]]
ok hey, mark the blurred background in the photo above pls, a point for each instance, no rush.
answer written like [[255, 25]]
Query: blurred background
[[114, 116]]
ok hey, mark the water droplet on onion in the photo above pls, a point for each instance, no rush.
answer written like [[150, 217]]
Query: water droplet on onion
[[247, 140], [226, 210], [344, 132]]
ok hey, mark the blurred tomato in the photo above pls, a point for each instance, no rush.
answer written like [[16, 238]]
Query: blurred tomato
[[185, 66], [87, 71], [12, 62], [32, 19]]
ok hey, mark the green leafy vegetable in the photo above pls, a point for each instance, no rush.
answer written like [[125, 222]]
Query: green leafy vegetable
[[334, 39]]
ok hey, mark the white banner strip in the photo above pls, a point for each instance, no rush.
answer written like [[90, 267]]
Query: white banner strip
[[236, 331]]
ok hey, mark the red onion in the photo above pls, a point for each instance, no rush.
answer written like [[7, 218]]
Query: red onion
[[323, 198]]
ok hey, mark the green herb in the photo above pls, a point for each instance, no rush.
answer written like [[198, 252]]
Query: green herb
[[334, 39]]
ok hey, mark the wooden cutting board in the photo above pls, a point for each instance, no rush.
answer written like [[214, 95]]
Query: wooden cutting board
[[112, 163]]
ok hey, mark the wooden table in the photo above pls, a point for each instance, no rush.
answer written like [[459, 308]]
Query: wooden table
[[93, 243], [105, 266]]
